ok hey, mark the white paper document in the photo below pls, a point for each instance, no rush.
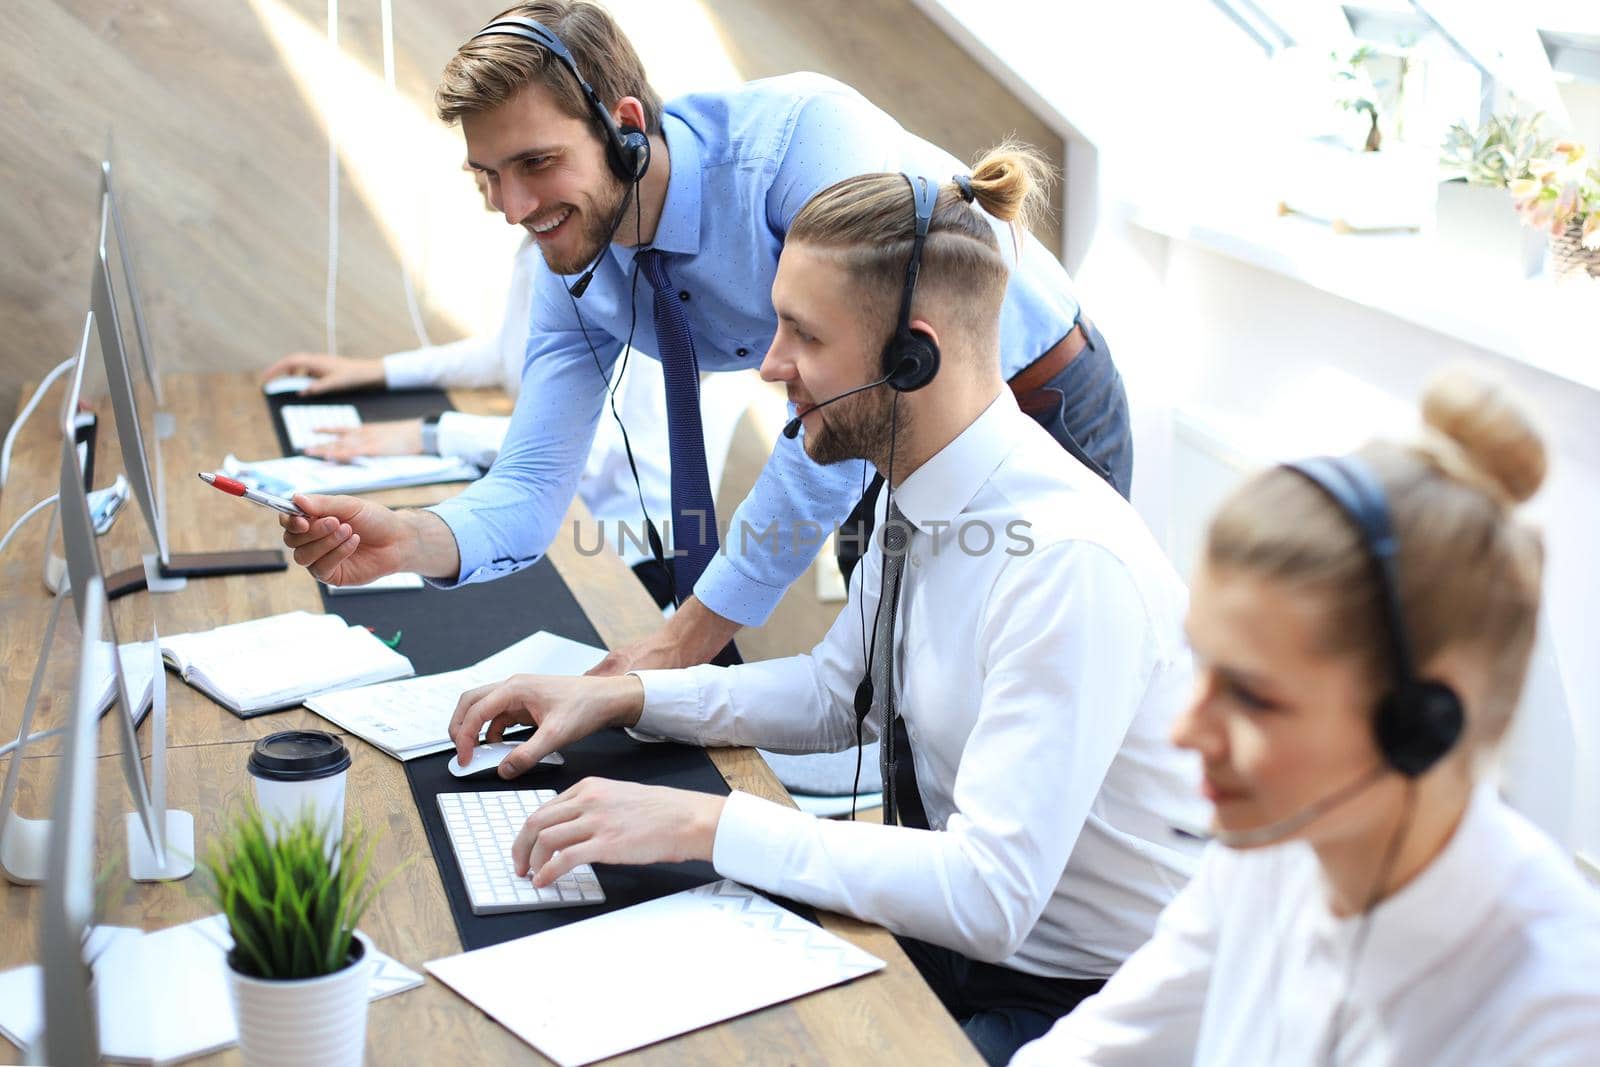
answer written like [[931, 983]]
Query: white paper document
[[653, 971], [162, 996], [305, 474], [411, 717]]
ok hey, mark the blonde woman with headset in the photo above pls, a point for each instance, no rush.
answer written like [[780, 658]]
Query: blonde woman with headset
[[1362, 628]]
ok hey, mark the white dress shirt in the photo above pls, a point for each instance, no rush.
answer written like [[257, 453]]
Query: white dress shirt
[[490, 360], [1491, 956], [1038, 679]]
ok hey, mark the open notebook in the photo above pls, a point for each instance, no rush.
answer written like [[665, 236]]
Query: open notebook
[[411, 718], [276, 662], [305, 474]]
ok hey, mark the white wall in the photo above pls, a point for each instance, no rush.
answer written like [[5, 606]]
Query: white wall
[[1278, 367]]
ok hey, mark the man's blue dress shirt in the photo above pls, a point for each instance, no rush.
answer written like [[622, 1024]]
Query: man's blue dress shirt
[[743, 163]]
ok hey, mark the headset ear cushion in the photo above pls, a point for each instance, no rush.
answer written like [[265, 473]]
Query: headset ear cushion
[[914, 360], [1417, 725], [632, 155]]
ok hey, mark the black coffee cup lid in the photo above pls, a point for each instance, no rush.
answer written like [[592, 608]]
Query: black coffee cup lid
[[298, 756]]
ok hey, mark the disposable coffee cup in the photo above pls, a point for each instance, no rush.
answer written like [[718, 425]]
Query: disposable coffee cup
[[300, 771]]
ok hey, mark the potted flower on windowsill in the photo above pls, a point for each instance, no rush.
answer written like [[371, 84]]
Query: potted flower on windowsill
[[298, 968], [1561, 196], [1474, 215]]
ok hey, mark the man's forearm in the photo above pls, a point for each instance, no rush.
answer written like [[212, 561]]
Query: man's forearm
[[695, 634], [432, 550]]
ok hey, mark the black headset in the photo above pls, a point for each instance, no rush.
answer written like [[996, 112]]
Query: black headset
[[1419, 720], [627, 148], [911, 358]]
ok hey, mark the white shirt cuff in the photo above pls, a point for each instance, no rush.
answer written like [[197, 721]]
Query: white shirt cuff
[[409, 370], [751, 840], [672, 705]]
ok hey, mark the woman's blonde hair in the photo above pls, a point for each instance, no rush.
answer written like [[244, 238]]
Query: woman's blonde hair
[[870, 223], [1469, 570], [488, 71]]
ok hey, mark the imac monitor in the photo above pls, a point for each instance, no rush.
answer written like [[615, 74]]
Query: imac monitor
[[160, 841], [71, 1032], [163, 571], [130, 283]]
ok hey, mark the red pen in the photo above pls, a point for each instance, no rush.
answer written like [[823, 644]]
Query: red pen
[[238, 488]]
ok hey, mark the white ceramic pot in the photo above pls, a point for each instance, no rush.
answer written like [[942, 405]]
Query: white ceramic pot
[[1478, 222], [308, 1022]]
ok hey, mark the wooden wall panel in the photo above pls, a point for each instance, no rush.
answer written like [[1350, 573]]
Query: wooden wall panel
[[222, 163]]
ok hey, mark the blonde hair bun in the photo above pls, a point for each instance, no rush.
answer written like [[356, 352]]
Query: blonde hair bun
[[1012, 181], [1491, 429]]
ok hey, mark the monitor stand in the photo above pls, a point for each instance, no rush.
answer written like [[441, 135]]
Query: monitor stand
[[156, 578], [182, 565], [169, 855], [24, 842], [177, 840]]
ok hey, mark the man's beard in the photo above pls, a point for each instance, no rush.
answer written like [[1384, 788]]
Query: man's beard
[[861, 427], [597, 221]]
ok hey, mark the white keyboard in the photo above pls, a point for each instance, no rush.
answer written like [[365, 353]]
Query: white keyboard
[[303, 420], [481, 827]]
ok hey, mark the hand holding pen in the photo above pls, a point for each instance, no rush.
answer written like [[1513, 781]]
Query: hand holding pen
[[234, 487]]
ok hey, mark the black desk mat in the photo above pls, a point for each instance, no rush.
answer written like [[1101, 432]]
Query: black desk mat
[[612, 754], [446, 629]]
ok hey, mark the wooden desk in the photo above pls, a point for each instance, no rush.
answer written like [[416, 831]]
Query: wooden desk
[[887, 1017]]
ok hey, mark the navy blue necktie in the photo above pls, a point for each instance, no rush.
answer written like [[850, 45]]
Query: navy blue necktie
[[694, 512]]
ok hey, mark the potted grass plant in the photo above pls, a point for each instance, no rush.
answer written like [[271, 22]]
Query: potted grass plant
[[298, 968]]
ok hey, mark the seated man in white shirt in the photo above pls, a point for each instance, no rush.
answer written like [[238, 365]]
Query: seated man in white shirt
[[1030, 647], [1362, 650], [607, 484]]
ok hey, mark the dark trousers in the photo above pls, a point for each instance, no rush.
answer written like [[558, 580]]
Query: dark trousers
[[999, 1009], [1085, 408]]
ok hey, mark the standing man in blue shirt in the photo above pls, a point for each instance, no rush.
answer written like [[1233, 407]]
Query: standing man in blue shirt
[[679, 259]]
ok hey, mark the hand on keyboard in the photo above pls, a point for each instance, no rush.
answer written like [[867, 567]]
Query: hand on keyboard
[[602, 821], [481, 827], [342, 444]]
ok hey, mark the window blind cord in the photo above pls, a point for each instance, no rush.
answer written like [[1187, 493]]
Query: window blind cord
[[331, 309], [413, 306]]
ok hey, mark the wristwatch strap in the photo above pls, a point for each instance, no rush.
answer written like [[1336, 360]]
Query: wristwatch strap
[[430, 434]]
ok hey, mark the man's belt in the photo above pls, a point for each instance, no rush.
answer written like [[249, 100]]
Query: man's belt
[[1055, 360]]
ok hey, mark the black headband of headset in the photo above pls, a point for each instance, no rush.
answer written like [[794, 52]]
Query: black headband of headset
[[1354, 487], [925, 193], [530, 30]]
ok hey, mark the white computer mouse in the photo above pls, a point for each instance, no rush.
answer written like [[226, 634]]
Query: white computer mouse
[[486, 757], [286, 383]]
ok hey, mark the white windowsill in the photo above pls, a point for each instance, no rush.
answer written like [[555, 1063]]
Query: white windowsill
[[1553, 326]]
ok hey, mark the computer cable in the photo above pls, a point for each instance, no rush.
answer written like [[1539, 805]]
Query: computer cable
[[33, 402], [652, 535], [26, 515]]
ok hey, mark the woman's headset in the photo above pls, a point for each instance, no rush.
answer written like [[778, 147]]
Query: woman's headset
[[1418, 720]]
